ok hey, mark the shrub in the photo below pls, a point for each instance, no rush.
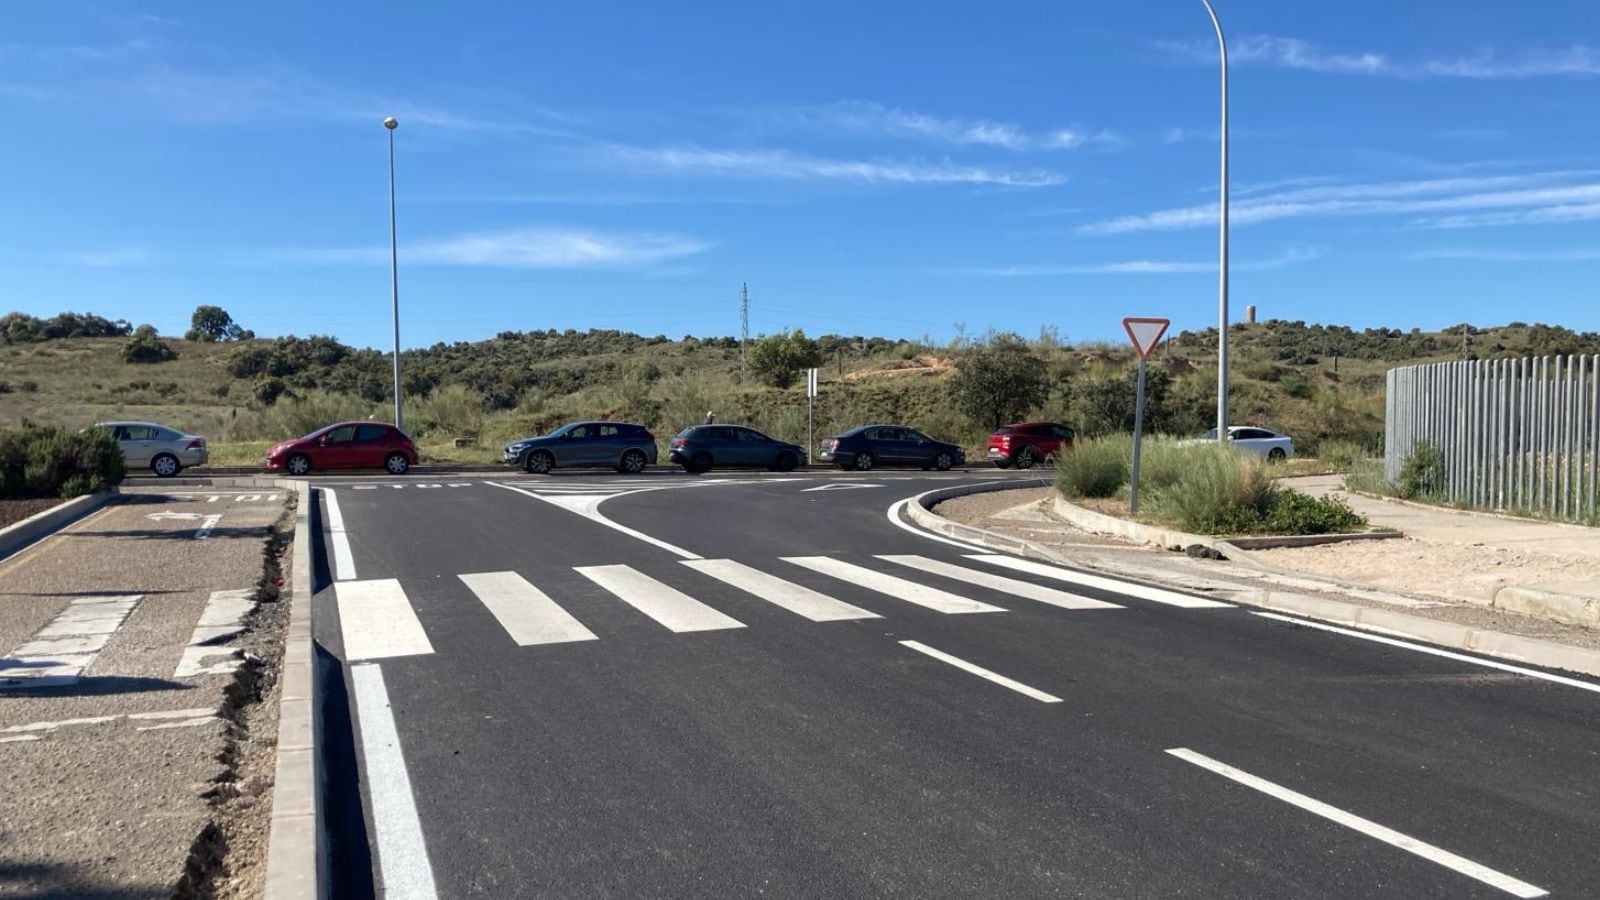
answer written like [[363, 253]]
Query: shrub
[[52, 462], [147, 347], [1218, 491], [1291, 512], [1095, 468], [1342, 455], [454, 408], [29, 387], [1422, 474]]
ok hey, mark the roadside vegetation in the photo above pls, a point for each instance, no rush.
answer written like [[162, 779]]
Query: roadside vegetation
[[42, 462]]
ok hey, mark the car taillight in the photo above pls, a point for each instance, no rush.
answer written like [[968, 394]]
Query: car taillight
[[830, 443], [679, 443], [1005, 440], [197, 444]]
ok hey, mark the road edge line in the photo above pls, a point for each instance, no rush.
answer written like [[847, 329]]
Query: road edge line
[[297, 843]]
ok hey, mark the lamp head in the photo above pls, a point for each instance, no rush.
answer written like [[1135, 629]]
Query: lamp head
[[391, 123]]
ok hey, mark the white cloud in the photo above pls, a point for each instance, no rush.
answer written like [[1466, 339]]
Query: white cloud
[[530, 248], [1487, 255], [1293, 255], [1294, 53], [107, 259], [1577, 60], [870, 118], [1282, 52], [1545, 215], [783, 164]]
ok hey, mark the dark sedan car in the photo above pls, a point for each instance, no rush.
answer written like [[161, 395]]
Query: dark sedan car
[[699, 447], [870, 446], [623, 446]]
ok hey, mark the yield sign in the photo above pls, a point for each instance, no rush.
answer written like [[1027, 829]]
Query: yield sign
[[840, 486], [1145, 333]]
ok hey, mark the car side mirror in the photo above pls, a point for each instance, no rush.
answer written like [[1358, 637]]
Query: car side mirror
[[322, 441]]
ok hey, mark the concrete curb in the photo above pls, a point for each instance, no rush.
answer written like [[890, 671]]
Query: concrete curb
[[297, 848], [1100, 523], [36, 527], [1526, 650]]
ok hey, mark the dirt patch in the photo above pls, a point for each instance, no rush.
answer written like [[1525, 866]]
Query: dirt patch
[[919, 366], [1408, 565], [976, 509], [14, 511]]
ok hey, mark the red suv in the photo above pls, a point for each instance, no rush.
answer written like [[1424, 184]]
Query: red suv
[[347, 445], [1026, 443]]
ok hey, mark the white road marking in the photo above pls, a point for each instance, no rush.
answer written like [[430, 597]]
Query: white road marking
[[183, 723], [1371, 829], [204, 531], [19, 738], [377, 621], [981, 672], [1143, 592], [1000, 583], [798, 599], [669, 606], [344, 562], [64, 648], [59, 723], [221, 620], [896, 521], [524, 611], [402, 852], [899, 588], [839, 486], [1435, 651], [588, 506], [174, 713]]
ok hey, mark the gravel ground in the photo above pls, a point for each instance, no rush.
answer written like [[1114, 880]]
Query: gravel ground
[[13, 511]]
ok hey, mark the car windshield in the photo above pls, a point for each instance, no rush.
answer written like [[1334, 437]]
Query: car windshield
[[560, 430]]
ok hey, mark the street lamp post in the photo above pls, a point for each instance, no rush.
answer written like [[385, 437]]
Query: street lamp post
[[1222, 277], [394, 272]]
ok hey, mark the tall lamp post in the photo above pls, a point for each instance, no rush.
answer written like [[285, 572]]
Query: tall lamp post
[[394, 272], [1222, 277]]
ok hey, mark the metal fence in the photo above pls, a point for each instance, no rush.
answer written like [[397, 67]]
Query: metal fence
[[1516, 434]]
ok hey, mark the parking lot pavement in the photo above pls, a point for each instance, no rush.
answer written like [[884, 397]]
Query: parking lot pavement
[[133, 646]]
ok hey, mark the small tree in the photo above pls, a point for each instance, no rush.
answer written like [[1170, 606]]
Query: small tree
[[778, 359], [147, 347], [999, 381], [212, 323]]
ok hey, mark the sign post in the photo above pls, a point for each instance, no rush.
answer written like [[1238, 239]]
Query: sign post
[[811, 400], [1145, 333]]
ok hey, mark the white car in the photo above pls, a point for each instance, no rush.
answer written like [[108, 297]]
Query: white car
[[1266, 444], [165, 451]]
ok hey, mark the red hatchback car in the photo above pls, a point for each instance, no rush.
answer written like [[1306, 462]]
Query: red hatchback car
[[1026, 443], [347, 445]]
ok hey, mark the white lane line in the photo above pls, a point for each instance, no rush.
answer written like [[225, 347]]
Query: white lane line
[[402, 852], [671, 607], [344, 562], [183, 723], [1013, 586], [1143, 592], [377, 621], [898, 588], [981, 672], [1435, 651], [208, 523], [525, 612], [896, 521], [19, 738], [798, 599], [221, 620], [588, 506], [1369, 828]]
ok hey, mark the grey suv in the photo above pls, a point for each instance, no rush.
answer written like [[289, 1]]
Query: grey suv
[[620, 445]]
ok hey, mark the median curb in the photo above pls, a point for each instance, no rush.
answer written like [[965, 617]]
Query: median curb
[[297, 848], [1515, 647], [39, 526]]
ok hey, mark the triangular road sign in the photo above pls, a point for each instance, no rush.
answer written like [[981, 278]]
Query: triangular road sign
[[1145, 332], [840, 486]]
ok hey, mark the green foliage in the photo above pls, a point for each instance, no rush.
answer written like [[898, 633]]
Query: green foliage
[[295, 416], [1291, 512], [1097, 467], [999, 381], [454, 409], [147, 347], [53, 462], [21, 328], [268, 388], [212, 323], [1105, 402], [778, 359], [1422, 474], [1342, 455]]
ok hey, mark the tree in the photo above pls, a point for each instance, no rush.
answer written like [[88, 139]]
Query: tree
[[146, 347], [212, 323], [999, 380], [778, 359]]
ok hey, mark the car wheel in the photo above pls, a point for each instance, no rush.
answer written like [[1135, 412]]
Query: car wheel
[[165, 466], [633, 462], [1025, 458], [298, 464], [786, 462], [539, 462], [700, 463], [863, 462], [396, 463], [1276, 454], [943, 462]]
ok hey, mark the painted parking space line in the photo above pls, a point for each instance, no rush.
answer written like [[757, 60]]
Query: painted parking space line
[[798, 599], [1084, 579], [525, 612], [68, 644], [896, 587], [344, 561], [221, 620], [377, 621], [981, 672], [1467, 867], [402, 851], [673, 609], [1014, 586]]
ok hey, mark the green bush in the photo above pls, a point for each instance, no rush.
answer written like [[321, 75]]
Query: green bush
[[1219, 491], [52, 462], [1291, 512], [1422, 474], [147, 347], [454, 409], [1097, 467], [1342, 455]]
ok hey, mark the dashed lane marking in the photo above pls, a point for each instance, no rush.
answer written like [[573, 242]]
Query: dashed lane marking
[[981, 672], [402, 851], [344, 562], [672, 608]]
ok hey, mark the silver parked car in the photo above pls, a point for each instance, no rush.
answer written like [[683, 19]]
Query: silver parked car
[[1259, 441], [165, 451]]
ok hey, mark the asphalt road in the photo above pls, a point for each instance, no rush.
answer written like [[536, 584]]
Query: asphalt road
[[669, 686]]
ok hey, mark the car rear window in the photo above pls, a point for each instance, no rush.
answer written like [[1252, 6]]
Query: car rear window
[[1005, 429]]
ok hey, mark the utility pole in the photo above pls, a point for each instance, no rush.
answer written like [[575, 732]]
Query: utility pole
[[394, 273], [1222, 279], [744, 325]]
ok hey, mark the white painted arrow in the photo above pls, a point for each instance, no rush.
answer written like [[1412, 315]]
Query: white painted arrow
[[840, 486], [174, 515]]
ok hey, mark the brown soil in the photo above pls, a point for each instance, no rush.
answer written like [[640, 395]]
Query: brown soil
[[14, 511], [902, 368]]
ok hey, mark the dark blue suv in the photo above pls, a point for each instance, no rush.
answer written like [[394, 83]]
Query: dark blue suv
[[869, 446], [699, 447]]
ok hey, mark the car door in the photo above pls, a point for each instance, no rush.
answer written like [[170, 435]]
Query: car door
[[756, 448], [137, 443], [335, 450], [608, 448], [1252, 440], [573, 448], [915, 448], [370, 446]]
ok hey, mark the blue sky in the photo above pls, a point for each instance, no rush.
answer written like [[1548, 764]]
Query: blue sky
[[865, 169]]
